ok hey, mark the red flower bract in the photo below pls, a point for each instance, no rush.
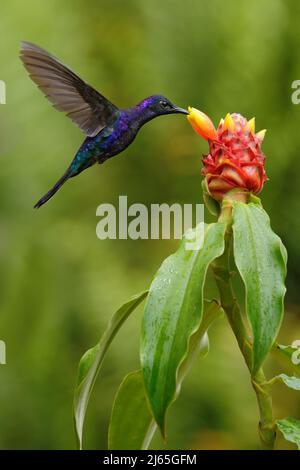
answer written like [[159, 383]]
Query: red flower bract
[[235, 159]]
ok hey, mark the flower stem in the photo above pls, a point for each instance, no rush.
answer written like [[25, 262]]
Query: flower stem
[[221, 269]]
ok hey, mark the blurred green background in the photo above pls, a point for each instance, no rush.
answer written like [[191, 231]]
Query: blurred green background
[[59, 283]]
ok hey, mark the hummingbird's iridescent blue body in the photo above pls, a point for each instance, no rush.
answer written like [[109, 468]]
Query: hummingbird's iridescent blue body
[[113, 138], [107, 143], [109, 129]]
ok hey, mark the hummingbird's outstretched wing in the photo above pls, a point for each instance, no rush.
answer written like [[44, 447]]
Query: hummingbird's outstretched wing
[[83, 104]]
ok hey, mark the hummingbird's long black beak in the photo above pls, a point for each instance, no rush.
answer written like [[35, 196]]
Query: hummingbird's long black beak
[[178, 110]]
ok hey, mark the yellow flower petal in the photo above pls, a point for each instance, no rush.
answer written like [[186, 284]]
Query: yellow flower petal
[[261, 134], [202, 124], [229, 123], [250, 126]]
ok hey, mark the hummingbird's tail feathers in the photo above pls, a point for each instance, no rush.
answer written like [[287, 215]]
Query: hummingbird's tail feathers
[[55, 188]]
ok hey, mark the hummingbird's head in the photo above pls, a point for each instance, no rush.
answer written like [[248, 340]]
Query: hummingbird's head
[[158, 105]]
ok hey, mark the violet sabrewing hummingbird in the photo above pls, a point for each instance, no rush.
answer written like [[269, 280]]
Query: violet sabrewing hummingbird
[[109, 130]]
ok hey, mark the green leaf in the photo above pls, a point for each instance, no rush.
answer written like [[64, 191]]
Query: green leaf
[[291, 382], [91, 362], [132, 425], [290, 428], [198, 342], [261, 260], [212, 205], [255, 200], [173, 314], [290, 355]]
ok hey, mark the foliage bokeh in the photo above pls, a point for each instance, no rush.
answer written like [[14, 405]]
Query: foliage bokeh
[[59, 283]]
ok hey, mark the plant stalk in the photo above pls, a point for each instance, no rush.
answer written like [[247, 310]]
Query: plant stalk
[[222, 274]]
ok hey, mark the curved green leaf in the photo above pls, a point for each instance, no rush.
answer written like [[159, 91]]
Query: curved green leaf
[[173, 314], [261, 260], [211, 204], [290, 428], [132, 425], [291, 356], [91, 362], [198, 343], [291, 382]]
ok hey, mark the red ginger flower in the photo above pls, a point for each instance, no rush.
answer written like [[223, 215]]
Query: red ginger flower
[[235, 159]]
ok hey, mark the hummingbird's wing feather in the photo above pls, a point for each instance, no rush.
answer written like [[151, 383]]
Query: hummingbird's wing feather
[[83, 104]]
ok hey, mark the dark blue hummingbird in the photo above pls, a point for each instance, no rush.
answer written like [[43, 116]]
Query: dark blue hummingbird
[[109, 129]]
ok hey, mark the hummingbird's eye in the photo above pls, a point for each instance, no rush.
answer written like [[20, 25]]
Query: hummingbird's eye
[[164, 104]]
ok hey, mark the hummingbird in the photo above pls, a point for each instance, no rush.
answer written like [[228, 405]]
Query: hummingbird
[[108, 129]]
